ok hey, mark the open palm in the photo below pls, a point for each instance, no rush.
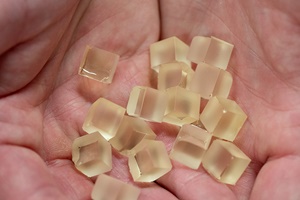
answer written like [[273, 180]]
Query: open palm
[[43, 100]]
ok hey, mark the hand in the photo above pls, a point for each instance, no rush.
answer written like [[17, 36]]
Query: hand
[[43, 100]]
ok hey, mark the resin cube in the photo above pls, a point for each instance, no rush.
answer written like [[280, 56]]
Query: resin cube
[[98, 64], [92, 154], [147, 103], [225, 161], [167, 51], [198, 49], [190, 145], [223, 117], [131, 132], [212, 51], [174, 74], [183, 106], [210, 81], [105, 117], [149, 162], [109, 188]]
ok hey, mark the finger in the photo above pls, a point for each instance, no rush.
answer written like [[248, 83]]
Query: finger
[[193, 185], [26, 176], [278, 179]]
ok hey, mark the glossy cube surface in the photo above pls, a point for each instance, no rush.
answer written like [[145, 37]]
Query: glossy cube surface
[[190, 145], [225, 161], [105, 117], [92, 154], [130, 133], [213, 51], [183, 106], [147, 103], [150, 161], [174, 74], [211, 81], [223, 117], [167, 51], [109, 188], [98, 64]]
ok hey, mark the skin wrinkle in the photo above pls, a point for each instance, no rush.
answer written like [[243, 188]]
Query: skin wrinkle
[[272, 181], [268, 9], [24, 18], [21, 50]]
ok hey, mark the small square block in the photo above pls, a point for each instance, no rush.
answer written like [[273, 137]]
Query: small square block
[[190, 145], [105, 117], [149, 162], [147, 103], [167, 51], [174, 74], [211, 81], [223, 118], [130, 133], [109, 188], [198, 49], [225, 161], [92, 154], [213, 51], [183, 106], [98, 64]]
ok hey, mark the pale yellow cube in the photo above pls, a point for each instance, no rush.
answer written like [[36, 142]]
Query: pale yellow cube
[[98, 64], [92, 154], [167, 51]]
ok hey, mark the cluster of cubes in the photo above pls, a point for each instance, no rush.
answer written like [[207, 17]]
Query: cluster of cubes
[[176, 100]]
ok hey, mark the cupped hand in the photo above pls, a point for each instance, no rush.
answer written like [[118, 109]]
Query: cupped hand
[[44, 101]]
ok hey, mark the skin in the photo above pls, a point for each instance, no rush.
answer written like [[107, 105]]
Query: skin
[[43, 100]]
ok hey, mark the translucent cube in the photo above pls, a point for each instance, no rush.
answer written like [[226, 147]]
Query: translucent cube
[[147, 103], [212, 51], [183, 106], [210, 81], [198, 49], [167, 51], [190, 145], [223, 117], [149, 162], [109, 188], [131, 132], [92, 154], [105, 117], [174, 74], [98, 64], [225, 161]]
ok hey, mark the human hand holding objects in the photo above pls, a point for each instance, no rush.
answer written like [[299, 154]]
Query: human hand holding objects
[[44, 107]]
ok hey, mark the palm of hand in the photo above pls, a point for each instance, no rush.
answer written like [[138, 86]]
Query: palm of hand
[[43, 107]]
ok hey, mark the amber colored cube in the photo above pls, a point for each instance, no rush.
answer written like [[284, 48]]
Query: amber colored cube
[[92, 154], [131, 132], [198, 49], [109, 188], [213, 51], [190, 145], [149, 161], [174, 74], [98, 64], [211, 81], [147, 103], [105, 117], [183, 106], [167, 51], [225, 161], [223, 117]]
